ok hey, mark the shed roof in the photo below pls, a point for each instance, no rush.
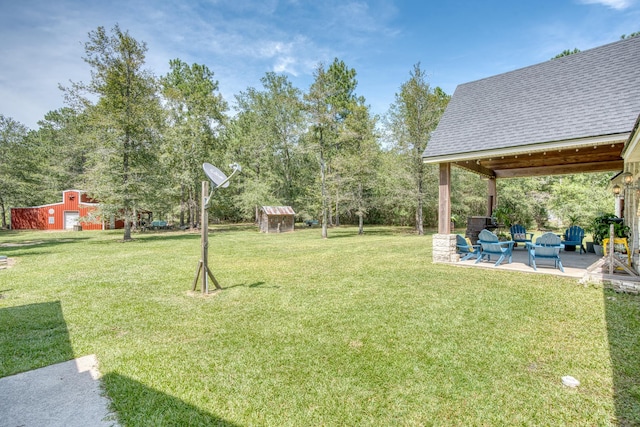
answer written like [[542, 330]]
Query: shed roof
[[587, 99], [278, 210]]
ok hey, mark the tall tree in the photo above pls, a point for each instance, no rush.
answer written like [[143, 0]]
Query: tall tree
[[265, 139], [393, 189], [16, 157], [124, 124], [411, 119], [63, 151], [196, 116], [358, 161], [579, 198], [329, 101]]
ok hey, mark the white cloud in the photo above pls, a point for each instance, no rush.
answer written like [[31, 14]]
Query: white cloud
[[286, 65], [613, 4]]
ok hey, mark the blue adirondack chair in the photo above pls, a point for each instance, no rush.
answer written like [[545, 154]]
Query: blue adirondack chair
[[490, 245], [547, 246], [519, 234], [465, 250], [573, 236]]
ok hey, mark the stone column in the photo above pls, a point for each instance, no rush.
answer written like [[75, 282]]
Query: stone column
[[444, 248]]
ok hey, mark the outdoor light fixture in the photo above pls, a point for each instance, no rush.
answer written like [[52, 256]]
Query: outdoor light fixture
[[629, 182]]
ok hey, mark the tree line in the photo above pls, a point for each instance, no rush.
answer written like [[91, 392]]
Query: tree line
[[136, 141]]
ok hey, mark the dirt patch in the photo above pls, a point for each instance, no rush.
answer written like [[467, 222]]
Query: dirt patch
[[28, 243]]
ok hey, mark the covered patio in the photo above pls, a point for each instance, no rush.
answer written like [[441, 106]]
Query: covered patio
[[575, 264], [574, 114], [583, 267]]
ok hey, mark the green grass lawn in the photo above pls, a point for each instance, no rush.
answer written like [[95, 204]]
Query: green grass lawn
[[352, 330]]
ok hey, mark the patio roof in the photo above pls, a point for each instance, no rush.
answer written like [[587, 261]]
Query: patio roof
[[567, 115]]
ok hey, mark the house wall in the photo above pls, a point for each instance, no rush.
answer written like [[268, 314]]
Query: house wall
[[632, 212]]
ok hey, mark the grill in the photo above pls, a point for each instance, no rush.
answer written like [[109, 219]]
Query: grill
[[475, 224]]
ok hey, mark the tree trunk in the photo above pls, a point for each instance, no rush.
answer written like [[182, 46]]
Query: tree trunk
[[125, 182], [337, 210], [325, 207], [134, 220], [192, 207], [360, 211], [419, 214], [127, 224], [127, 231], [3, 213], [182, 203]]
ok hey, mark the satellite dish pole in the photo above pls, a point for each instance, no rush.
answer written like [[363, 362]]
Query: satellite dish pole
[[218, 179]]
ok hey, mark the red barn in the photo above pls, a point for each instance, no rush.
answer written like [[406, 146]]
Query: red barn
[[57, 216]]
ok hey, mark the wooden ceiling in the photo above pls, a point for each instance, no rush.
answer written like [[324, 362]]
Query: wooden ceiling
[[596, 158]]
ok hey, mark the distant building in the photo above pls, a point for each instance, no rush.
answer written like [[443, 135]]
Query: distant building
[[276, 219], [58, 216]]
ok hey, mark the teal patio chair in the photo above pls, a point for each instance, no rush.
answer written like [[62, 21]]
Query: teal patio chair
[[465, 250], [573, 236], [547, 246], [519, 234], [490, 245]]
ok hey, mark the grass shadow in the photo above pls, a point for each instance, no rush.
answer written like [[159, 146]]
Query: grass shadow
[[154, 237], [352, 231], [27, 247], [623, 329], [260, 284], [33, 336], [136, 404], [6, 232]]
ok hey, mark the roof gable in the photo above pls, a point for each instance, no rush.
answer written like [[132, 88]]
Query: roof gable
[[594, 93], [278, 210]]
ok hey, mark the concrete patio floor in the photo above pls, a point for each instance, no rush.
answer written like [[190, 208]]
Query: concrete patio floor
[[574, 263]]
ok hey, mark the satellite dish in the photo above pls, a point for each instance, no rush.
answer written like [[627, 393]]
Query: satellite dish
[[215, 175]]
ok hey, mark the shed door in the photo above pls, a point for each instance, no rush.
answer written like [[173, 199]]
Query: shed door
[[71, 219]]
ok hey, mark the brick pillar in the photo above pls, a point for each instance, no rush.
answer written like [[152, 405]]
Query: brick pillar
[[444, 248]]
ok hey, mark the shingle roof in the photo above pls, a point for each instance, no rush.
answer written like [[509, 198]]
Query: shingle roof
[[278, 210], [592, 93]]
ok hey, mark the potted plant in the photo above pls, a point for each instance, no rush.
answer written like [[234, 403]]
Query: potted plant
[[600, 227], [454, 221]]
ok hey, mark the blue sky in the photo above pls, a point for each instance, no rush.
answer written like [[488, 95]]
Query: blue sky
[[455, 41]]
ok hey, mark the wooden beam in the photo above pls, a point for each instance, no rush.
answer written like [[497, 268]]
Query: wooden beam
[[444, 199], [492, 194], [613, 165], [562, 157], [474, 167]]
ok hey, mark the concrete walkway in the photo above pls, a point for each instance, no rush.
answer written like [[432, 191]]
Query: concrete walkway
[[66, 394]]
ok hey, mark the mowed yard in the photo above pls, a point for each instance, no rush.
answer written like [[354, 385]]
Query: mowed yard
[[352, 330]]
